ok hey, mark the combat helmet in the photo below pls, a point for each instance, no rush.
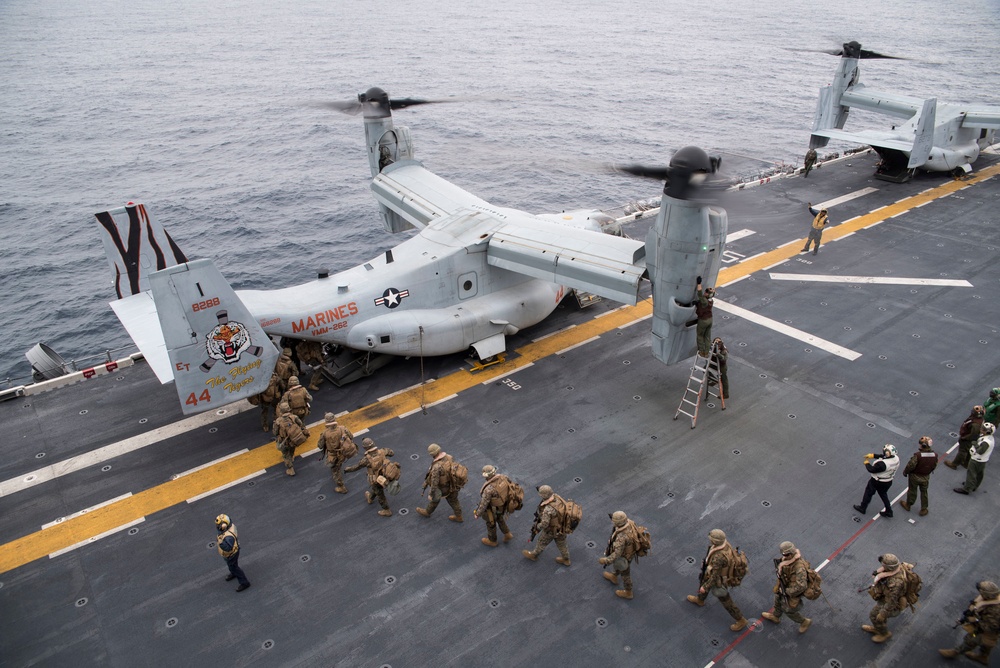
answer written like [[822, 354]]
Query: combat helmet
[[619, 518], [283, 408], [717, 536], [544, 491], [330, 418], [293, 381], [489, 471], [988, 589], [889, 560], [787, 548], [433, 449], [368, 444]]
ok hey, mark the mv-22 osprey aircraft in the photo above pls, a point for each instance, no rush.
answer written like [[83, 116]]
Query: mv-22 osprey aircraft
[[473, 275], [936, 136]]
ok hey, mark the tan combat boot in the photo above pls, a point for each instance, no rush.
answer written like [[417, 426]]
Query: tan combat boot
[[563, 561], [948, 653], [289, 471], [455, 518], [507, 537], [771, 617], [610, 577], [340, 489], [369, 498], [881, 637], [624, 593], [528, 554], [804, 626], [697, 601], [423, 513], [868, 628], [978, 658], [385, 512], [739, 625], [488, 542]]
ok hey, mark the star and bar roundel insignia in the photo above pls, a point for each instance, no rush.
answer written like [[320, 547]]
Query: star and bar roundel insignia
[[392, 297]]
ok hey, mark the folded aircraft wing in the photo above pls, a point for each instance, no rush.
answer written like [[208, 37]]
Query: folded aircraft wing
[[583, 259], [901, 106], [982, 118], [869, 137], [419, 195], [138, 314]]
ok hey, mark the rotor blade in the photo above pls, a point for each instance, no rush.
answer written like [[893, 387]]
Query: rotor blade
[[403, 103], [865, 53], [646, 171], [352, 108]]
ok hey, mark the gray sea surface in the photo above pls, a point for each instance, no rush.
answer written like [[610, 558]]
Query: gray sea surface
[[207, 113]]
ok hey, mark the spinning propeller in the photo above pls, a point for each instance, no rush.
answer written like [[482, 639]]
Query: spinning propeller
[[375, 103]]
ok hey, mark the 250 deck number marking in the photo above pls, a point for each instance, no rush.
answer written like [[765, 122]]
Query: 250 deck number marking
[[511, 384], [208, 303]]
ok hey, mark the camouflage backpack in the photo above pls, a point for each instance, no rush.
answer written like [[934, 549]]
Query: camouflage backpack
[[291, 431], [569, 514], [814, 583], [913, 586], [458, 475], [391, 470], [739, 566], [640, 542], [510, 495]]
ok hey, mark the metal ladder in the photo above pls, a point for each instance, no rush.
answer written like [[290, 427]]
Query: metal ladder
[[698, 381]]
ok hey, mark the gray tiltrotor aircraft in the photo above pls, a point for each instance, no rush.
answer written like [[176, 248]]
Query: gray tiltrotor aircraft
[[935, 136], [474, 274]]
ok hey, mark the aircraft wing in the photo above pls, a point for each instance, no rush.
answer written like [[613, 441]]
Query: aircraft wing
[[419, 195], [869, 137], [901, 106], [606, 265], [138, 314], [982, 118]]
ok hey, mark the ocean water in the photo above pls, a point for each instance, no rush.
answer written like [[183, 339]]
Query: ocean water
[[207, 113]]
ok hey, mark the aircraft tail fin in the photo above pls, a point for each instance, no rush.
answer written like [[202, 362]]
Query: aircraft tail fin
[[217, 351], [923, 140], [830, 111], [135, 246]]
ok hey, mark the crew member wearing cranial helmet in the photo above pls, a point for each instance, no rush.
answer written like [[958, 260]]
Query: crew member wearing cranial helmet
[[444, 481], [548, 526], [229, 549], [793, 580], [703, 309], [716, 577], [979, 456], [888, 588], [918, 474], [991, 407], [336, 445], [623, 548], [981, 623], [968, 434], [882, 469], [493, 505]]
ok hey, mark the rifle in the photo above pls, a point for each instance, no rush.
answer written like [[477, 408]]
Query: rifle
[[968, 617], [534, 526], [704, 567], [781, 582]]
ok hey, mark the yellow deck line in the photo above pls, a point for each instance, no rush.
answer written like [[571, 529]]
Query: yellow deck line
[[76, 530]]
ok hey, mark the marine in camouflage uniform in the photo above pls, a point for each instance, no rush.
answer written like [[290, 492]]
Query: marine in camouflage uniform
[[981, 623], [968, 434], [491, 508], [297, 397], [285, 425], [331, 443], [285, 367], [548, 526], [620, 551], [793, 578], [268, 400], [918, 474], [889, 591], [374, 459], [311, 352], [438, 479], [715, 570]]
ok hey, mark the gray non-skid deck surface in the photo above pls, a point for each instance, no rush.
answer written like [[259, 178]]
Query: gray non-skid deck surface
[[334, 584]]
